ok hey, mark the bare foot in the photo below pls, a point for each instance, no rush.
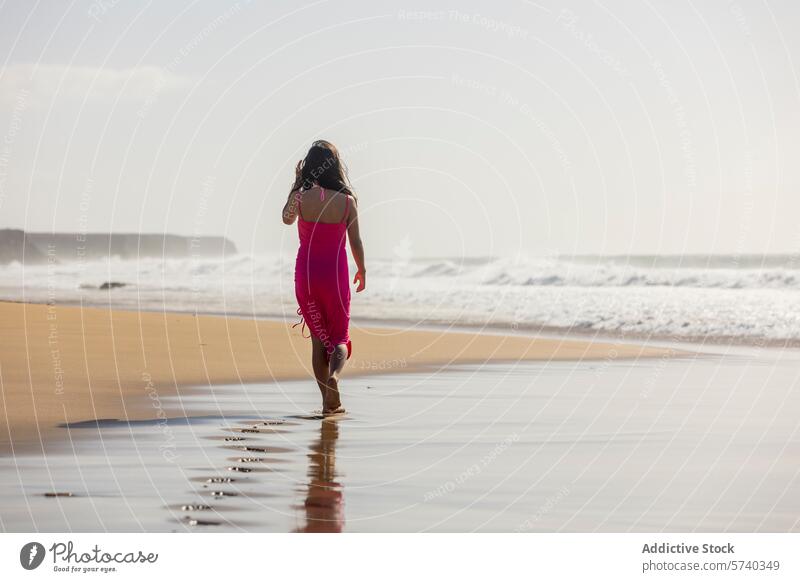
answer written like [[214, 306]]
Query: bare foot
[[332, 403]]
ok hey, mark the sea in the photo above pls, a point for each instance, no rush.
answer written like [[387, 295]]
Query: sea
[[752, 299]]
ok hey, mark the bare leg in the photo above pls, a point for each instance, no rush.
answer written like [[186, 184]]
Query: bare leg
[[319, 362], [332, 400]]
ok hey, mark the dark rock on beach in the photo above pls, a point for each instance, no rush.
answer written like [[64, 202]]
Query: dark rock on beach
[[111, 285]]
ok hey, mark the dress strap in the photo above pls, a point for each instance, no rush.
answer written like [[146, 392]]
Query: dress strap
[[303, 323], [321, 193]]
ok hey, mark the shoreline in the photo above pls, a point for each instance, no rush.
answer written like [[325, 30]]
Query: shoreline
[[65, 364], [502, 329]]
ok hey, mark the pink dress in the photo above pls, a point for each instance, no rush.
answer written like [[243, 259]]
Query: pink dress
[[322, 279]]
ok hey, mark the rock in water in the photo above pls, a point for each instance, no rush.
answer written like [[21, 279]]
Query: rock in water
[[111, 285]]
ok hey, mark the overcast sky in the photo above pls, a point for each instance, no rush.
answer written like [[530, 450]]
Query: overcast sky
[[470, 128]]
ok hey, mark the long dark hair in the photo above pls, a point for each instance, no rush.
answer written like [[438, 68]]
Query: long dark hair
[[323, 166]]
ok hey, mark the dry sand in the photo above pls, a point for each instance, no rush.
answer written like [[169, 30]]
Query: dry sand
[[61, 364]]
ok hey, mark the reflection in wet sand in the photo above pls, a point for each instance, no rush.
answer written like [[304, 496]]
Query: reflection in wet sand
[[324, 505]]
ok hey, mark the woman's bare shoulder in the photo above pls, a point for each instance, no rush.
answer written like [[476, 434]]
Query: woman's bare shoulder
[[307, 193]]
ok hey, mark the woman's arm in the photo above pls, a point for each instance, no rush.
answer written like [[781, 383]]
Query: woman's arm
[[290, 208], [356, 246]]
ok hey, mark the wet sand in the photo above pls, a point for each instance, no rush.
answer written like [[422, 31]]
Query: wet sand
[[678, 444], [66, 364], [164, 422]]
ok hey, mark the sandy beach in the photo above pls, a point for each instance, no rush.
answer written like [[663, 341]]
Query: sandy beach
[[64, 364], [145, 421]]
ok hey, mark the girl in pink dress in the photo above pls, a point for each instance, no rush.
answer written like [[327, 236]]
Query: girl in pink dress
[[326, 210]]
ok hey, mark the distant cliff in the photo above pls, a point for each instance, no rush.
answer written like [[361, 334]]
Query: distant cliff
[[41, 247]]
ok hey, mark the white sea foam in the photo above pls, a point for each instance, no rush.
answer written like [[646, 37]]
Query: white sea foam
[[746, 297]]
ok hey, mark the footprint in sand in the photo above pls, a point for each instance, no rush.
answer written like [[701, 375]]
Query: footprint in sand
[[201, 522], [319, 415], [266, 422], [223, 494], [257, 449], [195, 507], [249, 460], [253, 449], [266, 427]]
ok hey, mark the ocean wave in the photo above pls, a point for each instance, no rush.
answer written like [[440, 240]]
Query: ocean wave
[[564, 273], [602, 295]]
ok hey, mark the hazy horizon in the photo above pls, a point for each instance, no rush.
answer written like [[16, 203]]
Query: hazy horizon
[[532, 128]]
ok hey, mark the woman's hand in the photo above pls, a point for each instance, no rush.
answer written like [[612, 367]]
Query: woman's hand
[[356, 246], [298, 169], [361, 279]]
